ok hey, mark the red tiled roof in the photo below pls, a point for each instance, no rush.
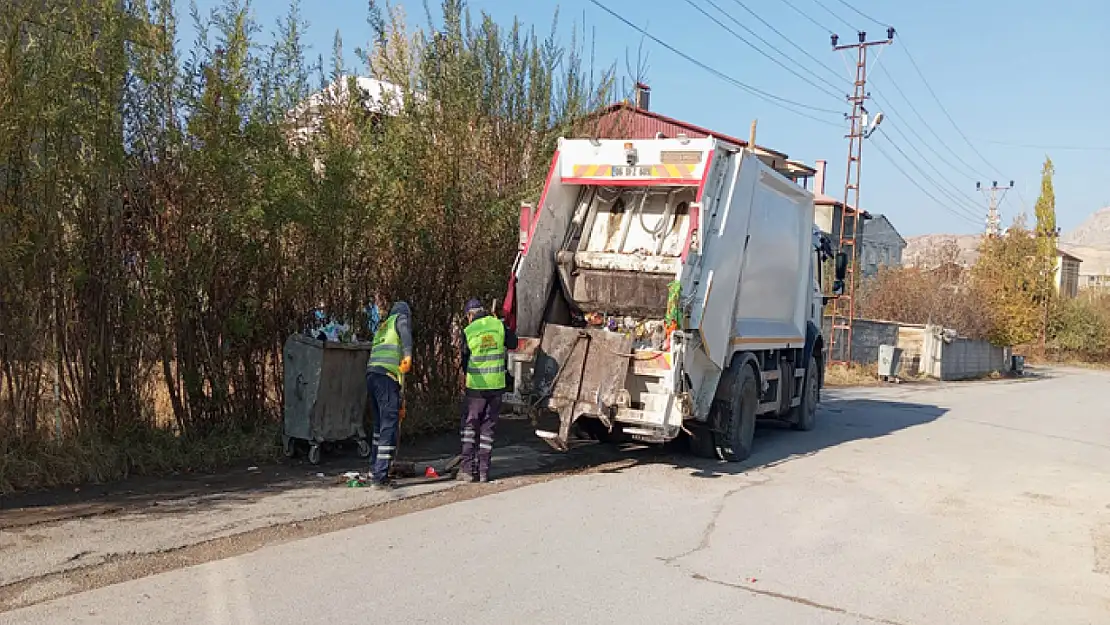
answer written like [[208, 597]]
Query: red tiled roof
[[644, 124]]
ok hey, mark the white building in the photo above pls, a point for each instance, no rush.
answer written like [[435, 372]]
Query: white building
[[380, 97], [1067, 273]]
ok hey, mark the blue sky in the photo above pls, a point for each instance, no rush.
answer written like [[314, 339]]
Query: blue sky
[[1010, 73]]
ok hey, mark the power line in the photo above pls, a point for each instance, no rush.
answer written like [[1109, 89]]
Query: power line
[[862, 14], [897, 126], [948, 194], [760, 51], [1077, 148], [962, 196], [836, 15], [789, 40], [780, 101], [927, 125], [807, 16], [946, 113], [881, 100], [913, 181], [928, 86]]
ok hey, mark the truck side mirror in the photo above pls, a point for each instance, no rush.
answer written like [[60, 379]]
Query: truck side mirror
[[841, 266]]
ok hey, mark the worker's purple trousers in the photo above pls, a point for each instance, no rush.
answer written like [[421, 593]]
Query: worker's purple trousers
[[477, 432]]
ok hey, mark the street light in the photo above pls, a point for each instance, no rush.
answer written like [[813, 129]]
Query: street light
[[874, 125]]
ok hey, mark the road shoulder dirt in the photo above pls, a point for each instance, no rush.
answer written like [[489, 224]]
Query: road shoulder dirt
[[60, 543]]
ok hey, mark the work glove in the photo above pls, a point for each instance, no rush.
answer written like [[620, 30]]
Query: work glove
[[406, 364]]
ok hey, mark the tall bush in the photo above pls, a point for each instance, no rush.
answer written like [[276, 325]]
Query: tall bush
[[943, 296], [166, 221]]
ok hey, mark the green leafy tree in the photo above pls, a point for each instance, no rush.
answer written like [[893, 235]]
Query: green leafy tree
[[1046, 234], [1081, 328], [1045, 211], [1007, 274]]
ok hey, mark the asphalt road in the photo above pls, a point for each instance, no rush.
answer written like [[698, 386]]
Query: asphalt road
[[975, 503]]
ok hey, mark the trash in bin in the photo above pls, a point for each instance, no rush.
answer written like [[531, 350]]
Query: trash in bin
[[325, 394]]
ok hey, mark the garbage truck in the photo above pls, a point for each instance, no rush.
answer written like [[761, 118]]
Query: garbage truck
[[668, 287]]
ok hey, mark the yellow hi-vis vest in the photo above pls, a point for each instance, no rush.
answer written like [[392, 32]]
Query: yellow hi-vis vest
[[485, 370], [387, 350]]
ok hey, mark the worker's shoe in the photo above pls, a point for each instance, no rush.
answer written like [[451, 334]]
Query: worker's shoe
[[385, 485], [465, 477], [484, 478]]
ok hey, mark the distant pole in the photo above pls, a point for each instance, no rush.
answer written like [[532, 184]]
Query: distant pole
[[994, 194], [844, 306]]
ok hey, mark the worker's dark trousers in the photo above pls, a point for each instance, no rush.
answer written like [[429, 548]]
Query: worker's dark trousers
[[483, 411], [386, 395]]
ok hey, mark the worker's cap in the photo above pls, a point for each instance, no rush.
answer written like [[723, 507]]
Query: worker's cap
[[471, 305]]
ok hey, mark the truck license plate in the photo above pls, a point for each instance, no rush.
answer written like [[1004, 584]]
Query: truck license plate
[[620, 171]]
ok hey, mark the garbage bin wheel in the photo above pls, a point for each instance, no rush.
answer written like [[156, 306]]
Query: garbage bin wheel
[[363, 448], [314, 454], [288, 446]]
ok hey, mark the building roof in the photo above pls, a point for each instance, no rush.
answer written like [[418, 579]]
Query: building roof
[[878, 218], [802, 167], [1064, 254], [652, 122], [820, 199], [633, 121]]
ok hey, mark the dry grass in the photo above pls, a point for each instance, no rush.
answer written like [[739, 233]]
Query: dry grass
[[39, 458], [1032, 353], [852, 375], [45, 463]]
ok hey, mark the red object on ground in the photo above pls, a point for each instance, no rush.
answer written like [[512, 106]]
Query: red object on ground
[[430, 472]]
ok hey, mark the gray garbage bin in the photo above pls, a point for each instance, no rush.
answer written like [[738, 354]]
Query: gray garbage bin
[[325, 394], [890, 360]]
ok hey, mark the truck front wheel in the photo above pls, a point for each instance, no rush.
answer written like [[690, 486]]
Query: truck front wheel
[[804, 416], [737, 428]]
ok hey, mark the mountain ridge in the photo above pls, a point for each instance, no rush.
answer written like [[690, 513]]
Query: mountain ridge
[[1089, 241]]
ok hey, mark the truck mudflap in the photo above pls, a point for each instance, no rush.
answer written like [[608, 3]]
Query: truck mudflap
[[577, 372]]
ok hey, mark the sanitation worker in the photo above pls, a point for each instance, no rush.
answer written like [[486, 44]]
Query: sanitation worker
[[485, 360], [390, 360]]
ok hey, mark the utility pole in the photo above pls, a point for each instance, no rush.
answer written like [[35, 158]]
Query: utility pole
[[844, 306], [994, 220]]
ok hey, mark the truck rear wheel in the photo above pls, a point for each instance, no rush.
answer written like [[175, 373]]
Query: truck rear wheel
[[737, 432], [804, 416]]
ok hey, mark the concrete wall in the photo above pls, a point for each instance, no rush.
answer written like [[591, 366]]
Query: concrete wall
[[926, 350], [868, 335], [946, 356]]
